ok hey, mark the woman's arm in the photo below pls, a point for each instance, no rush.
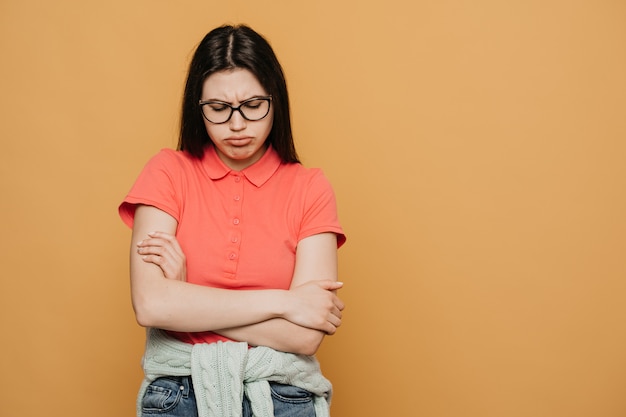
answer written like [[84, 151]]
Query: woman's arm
[[173, 304], [316, 258]]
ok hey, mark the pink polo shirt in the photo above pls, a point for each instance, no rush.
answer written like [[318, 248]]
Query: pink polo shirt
[[238, 229]]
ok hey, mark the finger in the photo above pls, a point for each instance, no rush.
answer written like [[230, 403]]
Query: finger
[[337, 313], [329, 285], [156, 255], [152, 250], [331, 329], [163, 261], [335, 318], [158, 247], [153, 259], [154, 242], [160, 236], [171, 239], [163, 240]]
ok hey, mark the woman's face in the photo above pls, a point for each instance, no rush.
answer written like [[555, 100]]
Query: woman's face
[[239, 142]]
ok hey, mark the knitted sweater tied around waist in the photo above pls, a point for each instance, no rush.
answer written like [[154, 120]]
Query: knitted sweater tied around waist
[[221, 372]]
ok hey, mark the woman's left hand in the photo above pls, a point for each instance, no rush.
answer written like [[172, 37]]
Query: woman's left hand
[[163, 250]]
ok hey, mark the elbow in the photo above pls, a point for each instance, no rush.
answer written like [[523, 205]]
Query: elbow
[[309, 351], [147, 314], [143, 319], [309, 343]]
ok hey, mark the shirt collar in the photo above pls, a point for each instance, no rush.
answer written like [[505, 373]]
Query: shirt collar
[[257, 173]]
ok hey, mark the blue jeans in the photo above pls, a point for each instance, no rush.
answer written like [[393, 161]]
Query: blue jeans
[[174, 397]]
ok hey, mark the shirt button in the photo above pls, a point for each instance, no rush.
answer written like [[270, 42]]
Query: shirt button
[[234, 239], [237, 198], [235, 221], [232, 256], [237, 179]]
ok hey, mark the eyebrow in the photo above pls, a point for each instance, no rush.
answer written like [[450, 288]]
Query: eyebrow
[[217, 100]]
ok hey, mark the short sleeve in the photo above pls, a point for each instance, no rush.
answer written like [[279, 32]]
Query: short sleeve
[[157, 185], [320, 210]]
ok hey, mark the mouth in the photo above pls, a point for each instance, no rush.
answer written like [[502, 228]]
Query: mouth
[[238, 140]]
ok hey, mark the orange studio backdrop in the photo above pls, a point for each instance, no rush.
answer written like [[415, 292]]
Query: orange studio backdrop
[[477, 151]]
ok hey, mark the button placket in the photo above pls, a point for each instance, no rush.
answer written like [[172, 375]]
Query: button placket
[[234, 239]]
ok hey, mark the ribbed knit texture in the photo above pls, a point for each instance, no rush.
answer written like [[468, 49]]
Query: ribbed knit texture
[[222, 371]]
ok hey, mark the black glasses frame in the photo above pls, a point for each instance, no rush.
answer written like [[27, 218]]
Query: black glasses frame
[[233, 109]]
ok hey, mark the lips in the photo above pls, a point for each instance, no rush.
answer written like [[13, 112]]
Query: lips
[[239, 140]]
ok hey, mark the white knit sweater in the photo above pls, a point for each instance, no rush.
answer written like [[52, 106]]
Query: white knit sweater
[[222, 371]]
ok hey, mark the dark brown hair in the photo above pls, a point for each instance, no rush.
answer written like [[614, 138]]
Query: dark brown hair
[[227, 48]]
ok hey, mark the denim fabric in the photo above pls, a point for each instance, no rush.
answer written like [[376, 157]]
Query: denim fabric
[[174, 397], [290, 401], [170, 397]]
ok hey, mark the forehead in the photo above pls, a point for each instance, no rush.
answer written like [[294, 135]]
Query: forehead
[[232, 85]]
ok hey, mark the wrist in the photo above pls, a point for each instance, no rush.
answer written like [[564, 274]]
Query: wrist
[[280, 303]]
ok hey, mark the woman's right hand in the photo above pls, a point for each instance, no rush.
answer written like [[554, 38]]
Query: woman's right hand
[[315, 305]]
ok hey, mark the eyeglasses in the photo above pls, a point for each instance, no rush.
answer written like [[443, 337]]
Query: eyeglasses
[[252, 109]]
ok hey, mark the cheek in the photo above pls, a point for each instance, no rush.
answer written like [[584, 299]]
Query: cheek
[[212, 130]]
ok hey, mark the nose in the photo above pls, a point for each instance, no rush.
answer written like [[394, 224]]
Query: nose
[[237, 122]]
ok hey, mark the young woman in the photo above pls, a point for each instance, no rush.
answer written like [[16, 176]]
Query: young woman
[[234, 254]]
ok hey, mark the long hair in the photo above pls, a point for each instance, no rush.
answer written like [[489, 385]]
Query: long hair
[[227, 48]]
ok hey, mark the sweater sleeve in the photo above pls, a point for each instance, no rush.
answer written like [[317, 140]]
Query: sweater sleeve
[[157, 185]]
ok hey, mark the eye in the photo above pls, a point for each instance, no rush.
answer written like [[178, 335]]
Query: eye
[[218, 107], [252, 104]]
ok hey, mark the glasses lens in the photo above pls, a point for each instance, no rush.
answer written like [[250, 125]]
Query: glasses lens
[[216, 112], [255, 109]]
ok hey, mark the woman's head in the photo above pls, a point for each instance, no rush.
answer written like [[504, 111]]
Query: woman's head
[[225, 49]]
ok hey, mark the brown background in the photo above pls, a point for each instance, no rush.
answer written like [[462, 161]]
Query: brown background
[[477, 149]]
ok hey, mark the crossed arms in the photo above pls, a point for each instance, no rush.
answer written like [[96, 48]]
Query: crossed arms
[[294, 320]]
